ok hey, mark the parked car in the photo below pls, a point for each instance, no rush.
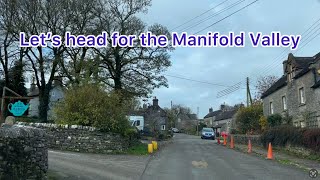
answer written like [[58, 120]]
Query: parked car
[[175, 130], [207, 133]]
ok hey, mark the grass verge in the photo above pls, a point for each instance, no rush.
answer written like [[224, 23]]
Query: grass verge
[[139, 149]]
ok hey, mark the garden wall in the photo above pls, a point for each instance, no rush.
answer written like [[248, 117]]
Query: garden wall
[[303, 144], [23, 153], [243, 139], [82, 138]]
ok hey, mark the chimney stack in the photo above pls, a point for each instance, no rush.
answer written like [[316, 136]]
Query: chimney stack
[[155, 102], [210, 110]]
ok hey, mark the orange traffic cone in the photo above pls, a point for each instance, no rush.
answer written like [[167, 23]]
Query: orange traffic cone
[[218, 140], [270, 154], [224, 141], [249, 146], [232, 143]]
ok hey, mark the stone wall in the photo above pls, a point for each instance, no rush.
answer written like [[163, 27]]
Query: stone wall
[[255, 140], [82, 138], [23, 153], [243, 139]]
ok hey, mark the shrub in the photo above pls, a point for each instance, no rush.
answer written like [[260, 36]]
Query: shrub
[[289, 135], [90, 105], [311, 139], [287, 119], [263, 122], [247, 118], [281, 136], [274, 120]]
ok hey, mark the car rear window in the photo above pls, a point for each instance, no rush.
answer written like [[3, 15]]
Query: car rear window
[[207, 130]]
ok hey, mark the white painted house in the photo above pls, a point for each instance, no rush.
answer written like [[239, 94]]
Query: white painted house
[[56, 94]]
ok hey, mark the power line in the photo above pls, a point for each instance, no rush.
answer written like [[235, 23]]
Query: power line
[[199, 15], [227, 16], [213, 15], [204, 82], [234, 88]]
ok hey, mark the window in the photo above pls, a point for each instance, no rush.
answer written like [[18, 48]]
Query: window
[[302, 96], [163, 127], [284, 102], [271, 108], [138, 123], [291, 73]]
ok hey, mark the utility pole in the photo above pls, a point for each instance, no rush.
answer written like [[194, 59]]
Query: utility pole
[[249, 98], [197, 121]]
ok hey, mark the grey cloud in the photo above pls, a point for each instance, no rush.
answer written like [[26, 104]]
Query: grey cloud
[[228, 65]]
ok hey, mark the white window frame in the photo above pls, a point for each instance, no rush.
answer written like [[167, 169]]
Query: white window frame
[[284, 103], [271, 108], [302, 97], [163, 127]]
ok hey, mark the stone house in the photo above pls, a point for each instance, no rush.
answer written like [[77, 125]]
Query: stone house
[[186, 121], [222, 119], [56, 94], [296, 94], [155, 118]]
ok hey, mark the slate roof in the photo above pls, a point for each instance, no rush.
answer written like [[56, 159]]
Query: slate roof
[[226, 114], [277, 85], [211, 114], [303, 62]]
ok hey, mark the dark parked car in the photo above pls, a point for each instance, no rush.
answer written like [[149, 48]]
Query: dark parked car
[[207, 133]]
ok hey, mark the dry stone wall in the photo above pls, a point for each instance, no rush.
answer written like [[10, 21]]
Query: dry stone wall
[[82, 138], [23, 153]]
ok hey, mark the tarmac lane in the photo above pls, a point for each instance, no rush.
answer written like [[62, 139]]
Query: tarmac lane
[[186, 157], [191, 158]]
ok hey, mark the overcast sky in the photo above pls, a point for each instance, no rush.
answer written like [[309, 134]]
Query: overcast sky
[[228, 66]]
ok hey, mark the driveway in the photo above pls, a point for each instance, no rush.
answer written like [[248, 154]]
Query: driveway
[[187, 158]]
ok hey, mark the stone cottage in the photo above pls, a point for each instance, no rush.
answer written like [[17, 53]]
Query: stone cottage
[[222, 119], [155, 118], [296, 94], [186, 121], [56, 94]]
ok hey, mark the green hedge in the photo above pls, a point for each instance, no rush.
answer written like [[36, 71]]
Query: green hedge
[[285, 135]]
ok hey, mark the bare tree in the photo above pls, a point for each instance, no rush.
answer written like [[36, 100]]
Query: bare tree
[[42, 16], [136, 70], [263, 84]]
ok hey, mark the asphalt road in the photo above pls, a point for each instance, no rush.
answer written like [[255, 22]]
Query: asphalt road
[[190, 158], [78, 166], [187, 158]]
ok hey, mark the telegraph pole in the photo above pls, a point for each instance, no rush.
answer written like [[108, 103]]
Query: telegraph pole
[[249, 98], [197, 121]]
